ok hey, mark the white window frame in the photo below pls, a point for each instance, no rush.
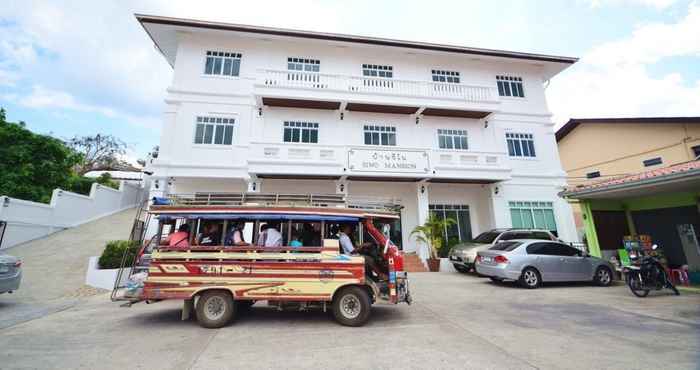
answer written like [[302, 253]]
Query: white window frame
[[509, 82], [445, 76], [377, 70], [225, 56], [219, 121], [452, 134], [521, 137], [532, 205], [380, 130], [304, 64], [299, 126]]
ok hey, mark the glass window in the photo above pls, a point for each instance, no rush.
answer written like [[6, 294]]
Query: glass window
[[303, 64], [593, 175], [510, 86], [214, 130], [520, 144], [222, 63], [373, 70], [652, 162], [445, 76], [452, 139], [487, 237], [460, 231], [380, 135], [300, 132], [506, 246], [532, 215], [696, 151]]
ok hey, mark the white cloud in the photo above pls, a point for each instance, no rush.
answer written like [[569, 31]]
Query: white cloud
[[658, 4], [613, 80]]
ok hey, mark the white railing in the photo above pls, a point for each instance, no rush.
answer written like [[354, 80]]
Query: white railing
[[389, 86]]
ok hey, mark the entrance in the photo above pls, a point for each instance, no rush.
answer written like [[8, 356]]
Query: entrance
[[461, 230]]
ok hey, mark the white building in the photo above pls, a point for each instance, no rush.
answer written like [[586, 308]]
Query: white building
[[462, 131]]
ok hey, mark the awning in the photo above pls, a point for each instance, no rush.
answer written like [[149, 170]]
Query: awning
[[257, 216]]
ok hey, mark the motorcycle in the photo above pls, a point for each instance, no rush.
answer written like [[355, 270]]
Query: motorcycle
[[646, 275]]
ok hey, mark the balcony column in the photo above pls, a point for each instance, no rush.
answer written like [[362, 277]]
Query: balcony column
[[253, 184], [422, 212], [500, 213], [341, 186]]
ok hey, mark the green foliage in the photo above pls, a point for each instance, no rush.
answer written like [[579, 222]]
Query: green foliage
[[431, 233], [111, 257], [32, 165], [106, 180]]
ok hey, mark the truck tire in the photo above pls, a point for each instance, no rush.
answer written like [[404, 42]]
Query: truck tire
[[215, 309], [351, 306]]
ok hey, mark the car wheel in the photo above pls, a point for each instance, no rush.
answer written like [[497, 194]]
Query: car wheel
[[351, 306], [530, 278], [215, 309], [603, 276]]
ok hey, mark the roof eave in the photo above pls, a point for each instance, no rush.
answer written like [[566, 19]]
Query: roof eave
[[631, 185]]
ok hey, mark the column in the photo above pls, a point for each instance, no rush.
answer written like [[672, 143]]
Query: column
[[253, 184], [422, 212], [500, 212], [589, 228]]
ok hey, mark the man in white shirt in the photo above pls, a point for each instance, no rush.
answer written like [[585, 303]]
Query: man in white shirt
[[349, 248], [273, 238]]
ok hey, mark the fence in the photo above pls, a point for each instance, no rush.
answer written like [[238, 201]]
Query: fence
[[25, 220]]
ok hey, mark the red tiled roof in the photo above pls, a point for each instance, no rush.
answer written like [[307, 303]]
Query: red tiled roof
[[638, 177]]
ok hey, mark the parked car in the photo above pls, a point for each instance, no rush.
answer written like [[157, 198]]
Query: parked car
[[463, 255], [532, 262], [10, 273]]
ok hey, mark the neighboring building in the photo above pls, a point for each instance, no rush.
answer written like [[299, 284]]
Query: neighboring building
[[663, 203], [461, 132], [595, 149]]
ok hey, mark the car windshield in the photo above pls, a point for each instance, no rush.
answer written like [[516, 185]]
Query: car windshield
[[487, 237], [505, 246]]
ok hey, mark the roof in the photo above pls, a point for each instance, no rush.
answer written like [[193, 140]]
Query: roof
[[683, 172], [148, 21], [575, 122]]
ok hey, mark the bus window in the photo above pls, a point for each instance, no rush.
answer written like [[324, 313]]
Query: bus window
[[308, 233]]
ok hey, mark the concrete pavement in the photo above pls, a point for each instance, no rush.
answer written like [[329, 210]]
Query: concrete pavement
[[457, 321]]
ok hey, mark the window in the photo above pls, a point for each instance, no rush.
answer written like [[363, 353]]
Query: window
[[303, 64], [532, 215], [461, 230], [380, 135], [452, 139], [506, 246], [445, 76], [652, 162], [510, 86], [512, 235], [373, 70], [214, 130], [222, 63], [520, 145], [696, 151], [593, 175], [300, 132]]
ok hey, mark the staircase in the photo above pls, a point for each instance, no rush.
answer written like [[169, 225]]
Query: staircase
[[412, 263]]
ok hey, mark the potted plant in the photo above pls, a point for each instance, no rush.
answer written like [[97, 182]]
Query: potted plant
[[431, 233]]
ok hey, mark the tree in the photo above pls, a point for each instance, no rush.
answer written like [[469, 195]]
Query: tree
[[431, 233], [32, 165], [99, 152]]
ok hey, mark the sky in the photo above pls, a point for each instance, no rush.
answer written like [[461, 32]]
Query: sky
[[85, 67]]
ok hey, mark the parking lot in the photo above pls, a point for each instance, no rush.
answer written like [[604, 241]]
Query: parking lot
[[456, 321]]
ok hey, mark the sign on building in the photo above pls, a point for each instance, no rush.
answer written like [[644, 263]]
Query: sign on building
[[401, 161]]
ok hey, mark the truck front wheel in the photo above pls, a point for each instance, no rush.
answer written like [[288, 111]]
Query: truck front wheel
[[215, 309], [351, 306]]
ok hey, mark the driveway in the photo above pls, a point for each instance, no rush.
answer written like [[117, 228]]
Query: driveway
[[53, 268], [456, 321]]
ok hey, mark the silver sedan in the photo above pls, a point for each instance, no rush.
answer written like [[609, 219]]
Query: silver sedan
[[531, 262], [10, 273]]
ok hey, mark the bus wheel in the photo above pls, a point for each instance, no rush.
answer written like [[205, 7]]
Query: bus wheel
[[215, 309], [351, 306]]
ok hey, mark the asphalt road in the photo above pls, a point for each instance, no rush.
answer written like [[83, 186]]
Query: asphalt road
[[456, 321]]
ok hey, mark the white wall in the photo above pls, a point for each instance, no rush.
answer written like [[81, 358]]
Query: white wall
[[30, 220]]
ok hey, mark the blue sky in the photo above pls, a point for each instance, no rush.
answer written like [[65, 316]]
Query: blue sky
[[77, 68]]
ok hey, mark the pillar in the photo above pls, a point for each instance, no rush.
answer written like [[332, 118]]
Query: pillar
[[253, 184], [422, 213], [589, 228]]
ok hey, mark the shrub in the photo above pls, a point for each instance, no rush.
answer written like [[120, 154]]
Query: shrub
[[111, 257]]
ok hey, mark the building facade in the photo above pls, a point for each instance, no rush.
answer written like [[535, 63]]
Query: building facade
[[464, 133]]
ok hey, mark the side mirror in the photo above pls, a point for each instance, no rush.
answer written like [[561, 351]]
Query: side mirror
[[386, 229]]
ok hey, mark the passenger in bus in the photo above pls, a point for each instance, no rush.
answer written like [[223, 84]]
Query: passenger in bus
[[262, 235], [210, 236], [348, 248], [311, 234], [273, 238], [235, 236], [180, 238], [295, 242]]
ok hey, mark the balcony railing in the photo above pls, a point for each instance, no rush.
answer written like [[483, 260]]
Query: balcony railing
[[376, 85]]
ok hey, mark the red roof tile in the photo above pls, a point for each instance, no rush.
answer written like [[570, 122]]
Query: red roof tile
[[638, 177]]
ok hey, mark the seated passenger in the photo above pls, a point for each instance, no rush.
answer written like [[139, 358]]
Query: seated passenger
[[295, 241], [273, 238], [348, 248], [262, 235], [180, 238], [211, 236], [311, 234], [235, 236]]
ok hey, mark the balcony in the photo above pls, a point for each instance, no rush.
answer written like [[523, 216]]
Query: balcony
[[372, 94], [276, 160]]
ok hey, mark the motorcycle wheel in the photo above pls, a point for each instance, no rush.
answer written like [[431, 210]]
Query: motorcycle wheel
[[636, 289]]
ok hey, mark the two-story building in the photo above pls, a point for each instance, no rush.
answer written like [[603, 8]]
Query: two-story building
[[462, 132]]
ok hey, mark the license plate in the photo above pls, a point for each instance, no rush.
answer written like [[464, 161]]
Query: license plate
[[487, 259], [453, 258]]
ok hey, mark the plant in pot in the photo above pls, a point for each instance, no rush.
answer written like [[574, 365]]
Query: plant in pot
[[431, 233]]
